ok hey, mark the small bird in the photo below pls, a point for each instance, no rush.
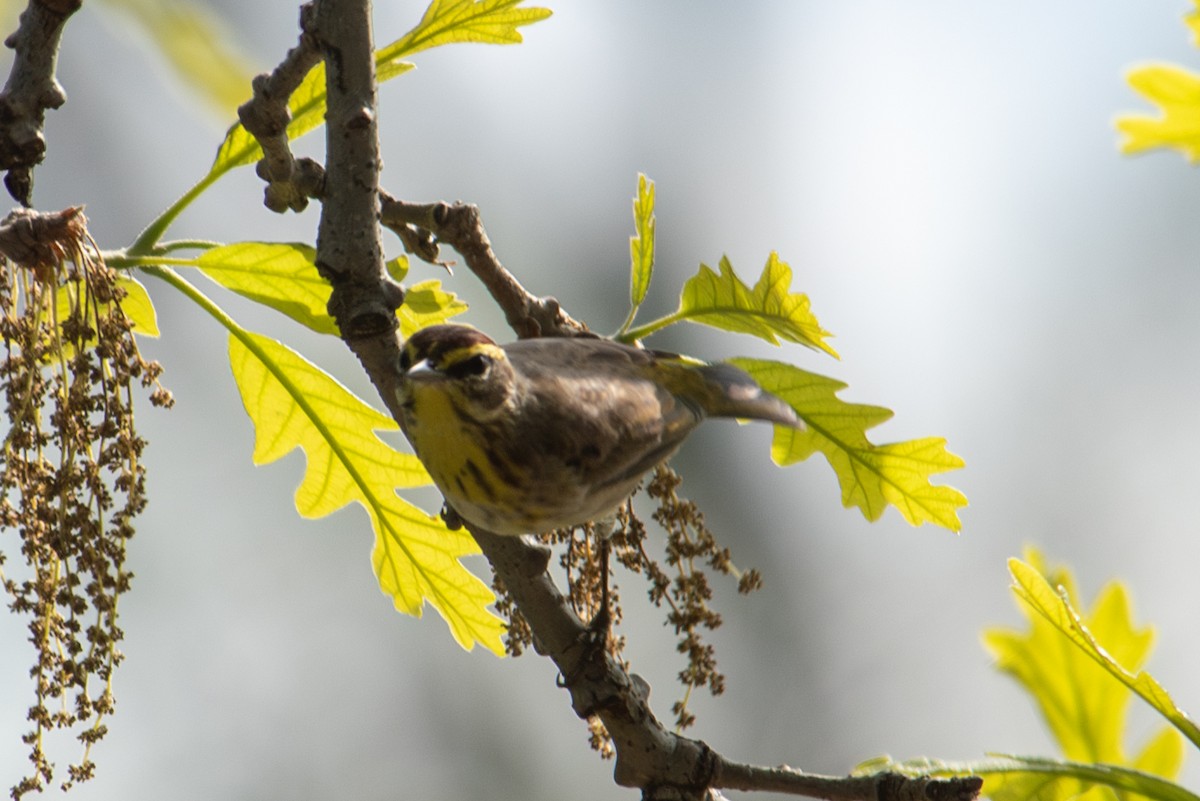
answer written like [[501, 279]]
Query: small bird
[[551, 433]]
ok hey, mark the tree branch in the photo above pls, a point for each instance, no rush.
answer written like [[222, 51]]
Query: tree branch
[[664, 765], [421, 225], [31, 89], [290, 181], [874, 787]]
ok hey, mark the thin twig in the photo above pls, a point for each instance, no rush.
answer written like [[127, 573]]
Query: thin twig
[[30, 91], [422, 225], [873, 787], [290, 181]]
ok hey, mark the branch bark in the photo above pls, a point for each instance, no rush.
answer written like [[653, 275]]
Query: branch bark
[[290, 181], [422, 225], [664, 765], [30, 91]]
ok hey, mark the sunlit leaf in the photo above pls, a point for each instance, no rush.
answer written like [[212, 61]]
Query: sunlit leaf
[[197, 45], [1022, 778], [871, 476], [284, 277], [137, 306], [397, 268], [444, 22], [294, 404], [280, 275], [456, 21], [1094, 651], [425, 304], [769, 310], [1192, 20], [1176, 93], [1162, 755], [641, 244], [1068, 662]]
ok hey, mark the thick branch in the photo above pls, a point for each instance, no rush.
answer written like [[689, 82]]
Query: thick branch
[[31, 89]]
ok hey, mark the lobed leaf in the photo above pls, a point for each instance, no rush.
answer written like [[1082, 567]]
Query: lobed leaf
[[294, 404], [425, 304], [456, 21], [1176, 93], [284, 277], [444, 22], [1087, 717], [641, 244], [280, 275], [769, 310], [1022, 778], [871, 476]]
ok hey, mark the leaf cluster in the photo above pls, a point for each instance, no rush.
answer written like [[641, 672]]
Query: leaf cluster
[[871, 476], [1083, 670], [1175, 91]]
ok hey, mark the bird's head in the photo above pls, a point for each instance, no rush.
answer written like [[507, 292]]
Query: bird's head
[[459, 362]]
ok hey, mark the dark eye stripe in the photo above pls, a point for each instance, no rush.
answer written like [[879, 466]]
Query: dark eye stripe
[[470, 366]]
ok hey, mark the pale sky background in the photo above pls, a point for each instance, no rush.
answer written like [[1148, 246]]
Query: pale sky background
[[942, 176]]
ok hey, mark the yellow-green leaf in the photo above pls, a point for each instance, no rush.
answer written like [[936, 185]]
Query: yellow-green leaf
[[770, 310], [397, 268], [138, 307], [425, 304], [444, 22], [1163, 755], [454, 21], [276, 274], [1192, 20], [1176, 93], [294, 404], [196, 44], [1074, 682], [871, 476], [1023, 778], [641, 244], [284, 277]]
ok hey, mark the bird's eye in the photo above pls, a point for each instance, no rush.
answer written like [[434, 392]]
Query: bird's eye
[[473, 366]]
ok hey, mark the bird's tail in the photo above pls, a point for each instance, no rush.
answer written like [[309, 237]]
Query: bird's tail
[[733, 393], [722, 390]]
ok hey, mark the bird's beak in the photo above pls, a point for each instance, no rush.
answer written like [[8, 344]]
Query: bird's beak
[[421, 371]]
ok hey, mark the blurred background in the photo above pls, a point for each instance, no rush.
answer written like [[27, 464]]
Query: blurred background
[[943, 178]]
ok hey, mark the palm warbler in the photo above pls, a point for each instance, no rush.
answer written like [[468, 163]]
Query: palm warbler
[[550, 433]]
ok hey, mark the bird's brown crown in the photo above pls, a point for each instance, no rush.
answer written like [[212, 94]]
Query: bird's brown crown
[[443, 344]]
